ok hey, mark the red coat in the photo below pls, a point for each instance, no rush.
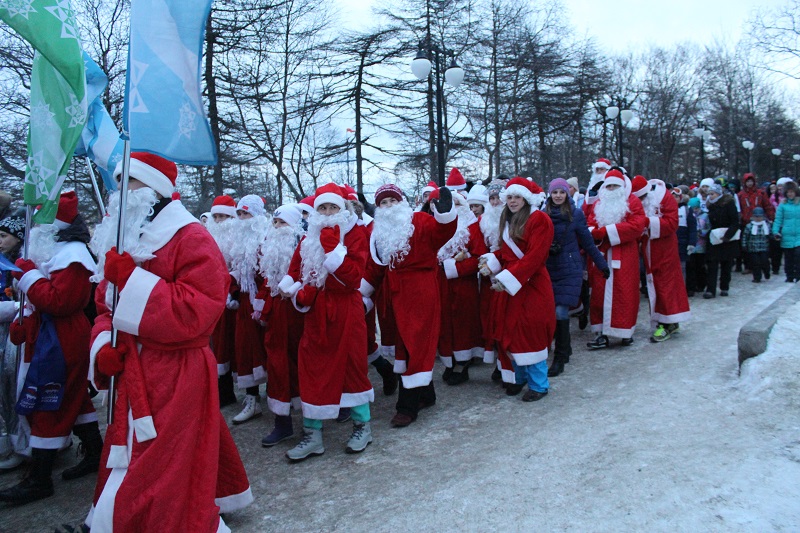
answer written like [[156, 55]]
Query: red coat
[[669, 303], [222, 342], [616, 316], [251, 359], [61, 288], [413, 291], [331, 362], [524, 315], [178, 468]]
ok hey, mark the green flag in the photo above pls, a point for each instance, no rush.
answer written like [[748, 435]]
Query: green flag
[[58, 96]]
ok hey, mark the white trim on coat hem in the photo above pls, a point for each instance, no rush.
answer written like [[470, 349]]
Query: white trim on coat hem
[[447, 360], [278, 407], [234, 502], [529, 358], [420, 379], [223, 368], [400, 366], [86, 418], [49, 443], [320, 412], [354, 399], [509, 376], [672, 319], [258, 377]]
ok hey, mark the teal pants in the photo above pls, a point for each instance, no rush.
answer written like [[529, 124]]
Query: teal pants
[[360, 414]]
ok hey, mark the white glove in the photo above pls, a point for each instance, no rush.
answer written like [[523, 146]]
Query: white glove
[[690, 249], [232, 304]]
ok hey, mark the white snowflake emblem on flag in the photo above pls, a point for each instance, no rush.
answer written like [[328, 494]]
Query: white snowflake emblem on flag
[[63, 12], [187, 123], [76, 112], [18, 7], [41, 116], [38, 174]]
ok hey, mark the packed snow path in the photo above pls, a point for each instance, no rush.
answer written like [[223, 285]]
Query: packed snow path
[[654, 437]]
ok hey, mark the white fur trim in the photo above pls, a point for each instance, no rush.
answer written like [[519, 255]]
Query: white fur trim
[[223, 368], [294, 288], [492, 262], [508, 280], [165, 225], [101, 519], [278, 407], [86, 418], [103, 338], [286, 283], [335, 258], [222, 527], [463, 356], [529, 358], [400, 366], [445, 218], [229, 210], [29, 278], [489, 356], [258, 304], [133, 300], [450, 270], [366, 289], [255, 378], [320, 412], [655, 227], [677, 318], [613, 234], [371, 358], [234, 502], [519, 190], [615, 264], [509, 376], [49, 443], [300, 308], [117, 457], [148, 175], [329, 198], [144, 428], [613, 180], [447, 361], [369, 305], [420, 379], [354, 399]]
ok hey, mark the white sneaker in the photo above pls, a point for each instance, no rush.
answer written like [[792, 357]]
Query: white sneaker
[[11, 462], [251, 409], [310, 445]]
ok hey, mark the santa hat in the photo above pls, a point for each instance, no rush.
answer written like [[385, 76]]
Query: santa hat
[[455, 181], [224, 205], [430, 187], [527, 189], [388, 191], [67, 209], [478, 195], [601, 163], [252, 204], [154, 171], [640, 186], [614, 177], [350, 193], [289, 213], [329, 193], [306, 205], [706, 182]]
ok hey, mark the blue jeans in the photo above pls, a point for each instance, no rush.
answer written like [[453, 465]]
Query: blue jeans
[[562, 312], [534, 375]]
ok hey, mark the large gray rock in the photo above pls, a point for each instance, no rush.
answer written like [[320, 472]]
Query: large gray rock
[[754, 334]]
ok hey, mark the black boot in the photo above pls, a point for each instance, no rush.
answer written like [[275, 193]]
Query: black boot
[[386, 371], [226, 394], [91, 447], [460, 374], [38, 484], [564, 339]]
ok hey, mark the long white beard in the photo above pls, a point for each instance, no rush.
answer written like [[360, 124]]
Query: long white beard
[[139, 206], [224, 234], [458, 242], [392, 230], [42, 243], [250, 234], [612, 206], [650, 205], [490, 226], [276, 254], [312, 271]]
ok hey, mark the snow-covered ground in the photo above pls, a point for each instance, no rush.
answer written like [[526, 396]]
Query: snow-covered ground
[[654, 437]]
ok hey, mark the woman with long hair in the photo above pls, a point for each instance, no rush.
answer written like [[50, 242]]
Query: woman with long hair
[[566, 265], [786, 229]]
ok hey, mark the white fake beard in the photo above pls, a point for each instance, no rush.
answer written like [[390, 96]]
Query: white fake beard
[[649, 204], [458, 242], [612, 206], [42, 243], [244, 250], [139, 206], [276, 254], [311, 252], [392, 229], [224, 234], [490, 226]]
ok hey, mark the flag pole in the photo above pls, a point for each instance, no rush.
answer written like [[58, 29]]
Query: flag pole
[[25, 251], [96, 187], [123, 197]]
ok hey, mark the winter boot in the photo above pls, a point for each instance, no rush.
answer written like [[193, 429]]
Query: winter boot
[[360, 439], [225, 386], [38, 484], [91, 447], [563, 339], [251, 409], [283, 430], [310, 445], [386, 371], [600, 342], [459, 375]]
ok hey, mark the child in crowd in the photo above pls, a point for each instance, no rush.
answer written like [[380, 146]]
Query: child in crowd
[[696, 265], [755, 243]]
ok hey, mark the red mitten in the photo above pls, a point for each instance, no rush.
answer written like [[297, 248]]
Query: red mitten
[[329, 238], [306, 296], [17, 332], [26, 265], [599, 234], [111, 361], [118, 267]]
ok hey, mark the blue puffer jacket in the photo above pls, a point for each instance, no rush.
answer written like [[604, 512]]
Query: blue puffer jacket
[[566, 269], [787, 223]]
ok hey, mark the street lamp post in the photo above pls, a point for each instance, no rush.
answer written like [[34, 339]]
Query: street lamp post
[[777, 153], [623, 116], [454, 75], [749, 145], [796, 158], [703, 134]]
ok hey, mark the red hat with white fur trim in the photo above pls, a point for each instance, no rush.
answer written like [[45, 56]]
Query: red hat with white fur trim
[[154, 171], [528, 189], [601, 163], [640, 186], [329, 194], [350, 193], [67, 209], [455, 181], [224, 205], [430, 187], [614, 177]]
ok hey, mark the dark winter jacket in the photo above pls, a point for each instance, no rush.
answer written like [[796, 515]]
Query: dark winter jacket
[[687, 234], [566, 269], [723, 214], [751, 197]]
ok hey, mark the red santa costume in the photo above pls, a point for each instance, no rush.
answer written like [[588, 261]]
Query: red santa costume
[[323, 282], [489, 224], [669, 303], [169, 462], [524, 314], [56, 282], [616, 222], [460, 338], [403, 251]]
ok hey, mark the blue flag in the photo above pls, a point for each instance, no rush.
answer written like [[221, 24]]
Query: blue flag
[[164, 112], [100, 139]]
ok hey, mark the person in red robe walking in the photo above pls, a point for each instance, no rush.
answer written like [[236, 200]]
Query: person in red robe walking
[[56, 282], [524, 312], [169, 462], [616, 222], [669, 304], [403, 252]]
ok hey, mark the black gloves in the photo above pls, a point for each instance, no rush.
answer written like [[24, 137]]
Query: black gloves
[[606, 273], [445, 201]]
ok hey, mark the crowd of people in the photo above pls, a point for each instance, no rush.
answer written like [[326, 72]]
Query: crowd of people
[[302, 300]]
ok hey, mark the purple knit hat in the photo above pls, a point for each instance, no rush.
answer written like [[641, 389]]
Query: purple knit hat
[[558, 183]]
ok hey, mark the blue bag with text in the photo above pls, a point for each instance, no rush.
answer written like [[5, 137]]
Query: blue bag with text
[[47, 373]]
